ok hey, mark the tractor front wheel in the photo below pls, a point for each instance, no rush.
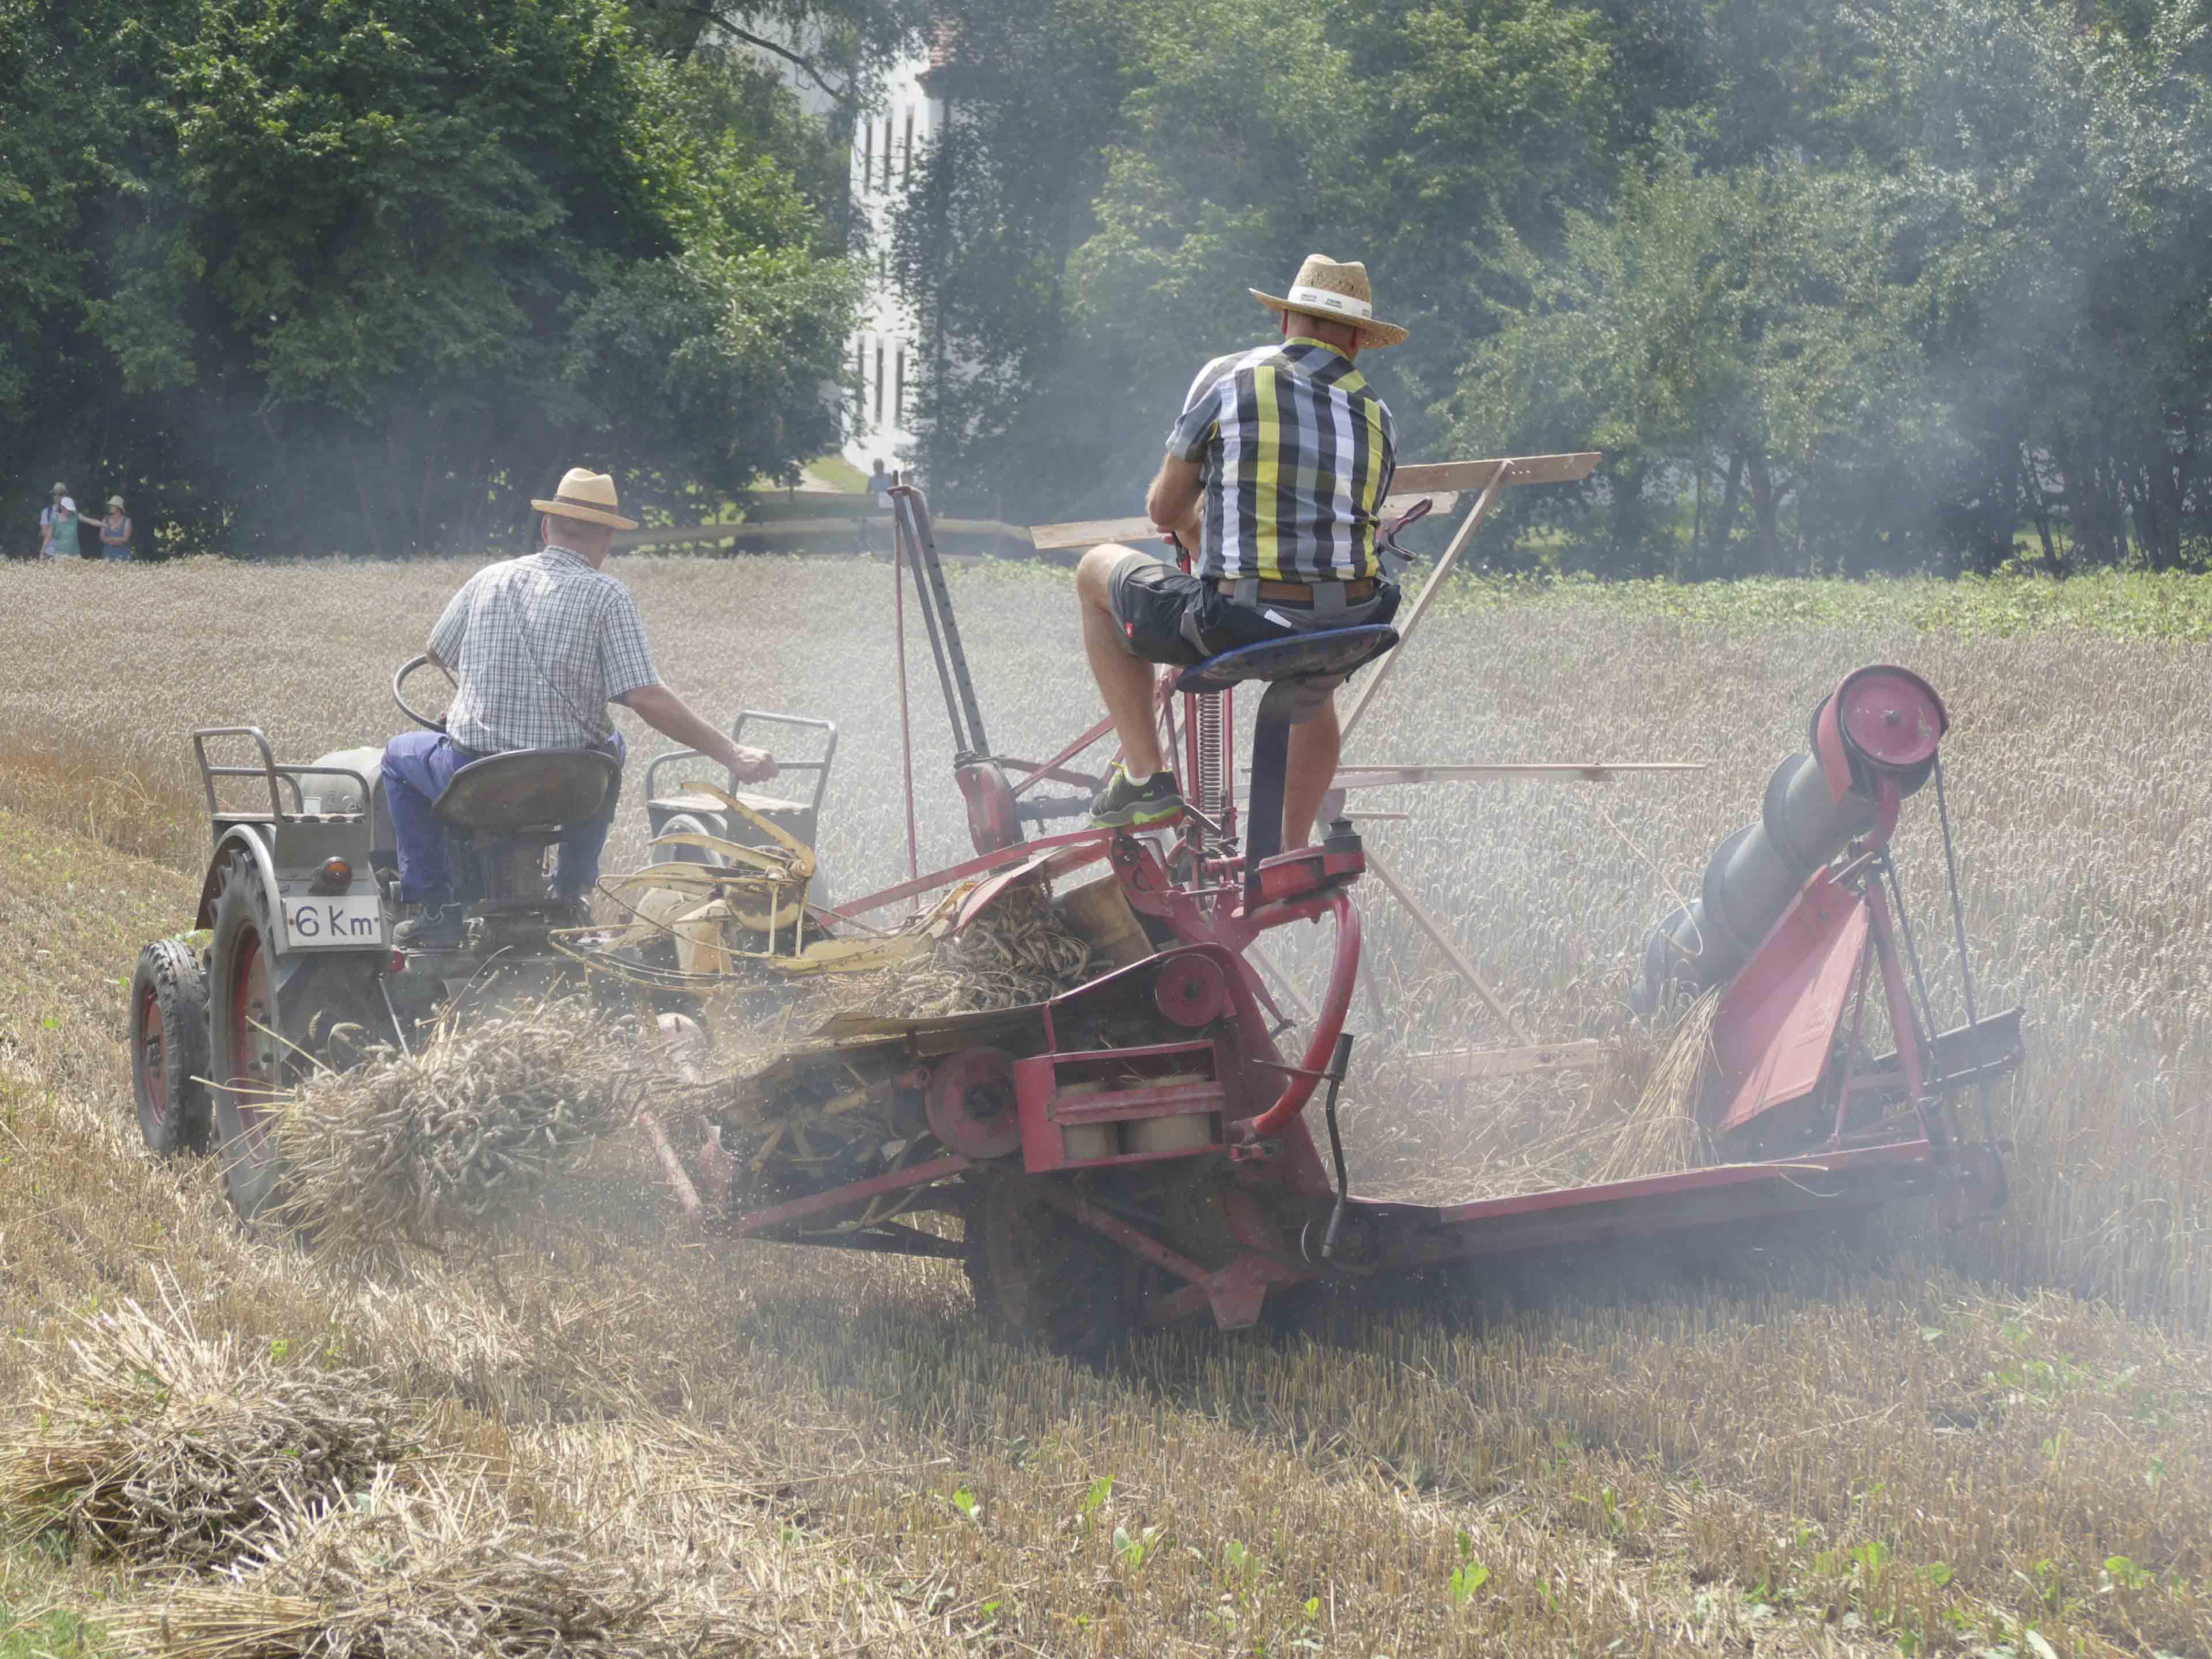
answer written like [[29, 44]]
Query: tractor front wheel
[[273, 1018], [170, 1047], [1041, 1274]]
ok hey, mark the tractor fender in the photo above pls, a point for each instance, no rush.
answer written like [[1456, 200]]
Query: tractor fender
[[249, 838]]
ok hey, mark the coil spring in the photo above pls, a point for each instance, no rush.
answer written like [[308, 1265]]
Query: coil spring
[[1212, 769]]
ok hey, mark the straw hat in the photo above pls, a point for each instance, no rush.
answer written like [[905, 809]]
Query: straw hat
[[116, 502], [589, 497], [1339, 291], [60, 490]]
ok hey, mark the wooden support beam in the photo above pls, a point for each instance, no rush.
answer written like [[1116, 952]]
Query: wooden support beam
[[1376, 777], [1090, 532], [1419, 479], [1429, 591], [737, 530]]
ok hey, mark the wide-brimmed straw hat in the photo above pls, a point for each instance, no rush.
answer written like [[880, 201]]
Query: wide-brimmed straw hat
[[58, 490], [116, 502], [1336, 290], [586, 495]]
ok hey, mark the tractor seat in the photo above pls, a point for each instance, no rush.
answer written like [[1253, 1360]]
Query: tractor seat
[[1322, 654], [1303, 672], [528, 790], [767, 805]]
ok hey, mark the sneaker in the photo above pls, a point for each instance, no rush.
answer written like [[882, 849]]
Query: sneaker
[[440, 928], [1125, 805]]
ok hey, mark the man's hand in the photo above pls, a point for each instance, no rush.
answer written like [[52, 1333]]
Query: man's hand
[[669, 715], [748, 764]]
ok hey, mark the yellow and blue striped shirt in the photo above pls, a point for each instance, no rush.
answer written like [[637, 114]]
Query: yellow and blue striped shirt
[[1298, 454]]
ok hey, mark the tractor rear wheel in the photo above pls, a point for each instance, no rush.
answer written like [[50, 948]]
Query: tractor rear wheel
[[1039, 1273], [170, 1047], [273, 1018]]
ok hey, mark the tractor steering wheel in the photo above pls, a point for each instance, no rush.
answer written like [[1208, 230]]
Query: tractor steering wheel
[[400, 697]]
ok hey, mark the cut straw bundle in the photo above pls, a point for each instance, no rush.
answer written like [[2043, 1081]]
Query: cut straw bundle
[[1019, 951], [431, 1571], [1664, 1133], [411, 1149], [160, 1446]]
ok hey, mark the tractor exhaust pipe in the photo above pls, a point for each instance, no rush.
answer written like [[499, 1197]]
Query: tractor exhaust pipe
[[1873, 742]]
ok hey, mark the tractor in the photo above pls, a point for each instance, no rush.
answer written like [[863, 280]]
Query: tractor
[[292, 963]]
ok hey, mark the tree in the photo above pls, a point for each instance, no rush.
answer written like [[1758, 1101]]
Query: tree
[[1214, 144], [391, 264], [1735, 327]]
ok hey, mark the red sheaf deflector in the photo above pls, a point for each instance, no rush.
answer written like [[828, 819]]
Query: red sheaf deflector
[[1778, 1018]]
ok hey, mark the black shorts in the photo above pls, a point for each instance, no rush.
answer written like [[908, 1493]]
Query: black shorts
[[1167, 616]]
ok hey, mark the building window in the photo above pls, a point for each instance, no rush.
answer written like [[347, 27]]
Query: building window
[[867, 155], [860, 370], [906, 155], [887, 152], [880, 384], [898, 390]]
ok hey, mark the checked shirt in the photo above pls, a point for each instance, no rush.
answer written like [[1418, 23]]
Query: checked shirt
[[540, 646], [1298, 454]]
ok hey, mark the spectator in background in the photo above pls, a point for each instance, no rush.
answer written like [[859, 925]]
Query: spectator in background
[[47, 521], [59, 522], [879, 487], [115, 531]]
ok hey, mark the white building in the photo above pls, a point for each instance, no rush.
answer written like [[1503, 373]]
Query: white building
[[883, 358], [882, 353]]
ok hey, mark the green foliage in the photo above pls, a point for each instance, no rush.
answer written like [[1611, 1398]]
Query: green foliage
[[1126, 169], [373, 272], [1469, 1576], [2132, 606], [1838, 290]]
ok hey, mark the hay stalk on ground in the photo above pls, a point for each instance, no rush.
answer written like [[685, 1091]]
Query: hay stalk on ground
[[158, 1445], [439, 1569]]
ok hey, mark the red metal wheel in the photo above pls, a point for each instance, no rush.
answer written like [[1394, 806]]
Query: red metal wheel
[[1192, 990], [153, 1078], [971, 1106], [273, 1018]]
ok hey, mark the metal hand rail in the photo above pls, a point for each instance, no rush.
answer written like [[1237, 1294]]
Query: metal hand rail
[[270, 770], [820, 768]]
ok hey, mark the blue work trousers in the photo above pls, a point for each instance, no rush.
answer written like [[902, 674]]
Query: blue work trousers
[[417, 767]]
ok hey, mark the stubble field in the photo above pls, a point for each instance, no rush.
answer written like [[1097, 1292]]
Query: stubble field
[[1825, 1453]]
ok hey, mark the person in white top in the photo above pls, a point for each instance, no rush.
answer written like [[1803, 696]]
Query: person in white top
[[57, 529]]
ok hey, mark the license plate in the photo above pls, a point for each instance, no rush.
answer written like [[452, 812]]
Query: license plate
[[321, 923]]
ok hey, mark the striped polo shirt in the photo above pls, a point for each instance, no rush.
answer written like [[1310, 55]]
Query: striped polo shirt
[[1298, 454]]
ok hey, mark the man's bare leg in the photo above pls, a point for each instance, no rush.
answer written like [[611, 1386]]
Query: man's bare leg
[[1308, 773], [1126, 682]]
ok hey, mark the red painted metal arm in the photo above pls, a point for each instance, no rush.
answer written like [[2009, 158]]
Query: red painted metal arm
[[974, 867], [1033, 770], [1343, 974]]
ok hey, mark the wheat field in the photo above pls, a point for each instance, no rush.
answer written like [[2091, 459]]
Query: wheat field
[[1817, 1452]]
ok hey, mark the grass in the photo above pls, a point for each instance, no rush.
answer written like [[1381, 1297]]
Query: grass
[[840, 473], [1821, 1453], [2124, 604]]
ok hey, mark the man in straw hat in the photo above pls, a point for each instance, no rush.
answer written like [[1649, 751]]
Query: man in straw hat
[[538, 648], [1275, 471]]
